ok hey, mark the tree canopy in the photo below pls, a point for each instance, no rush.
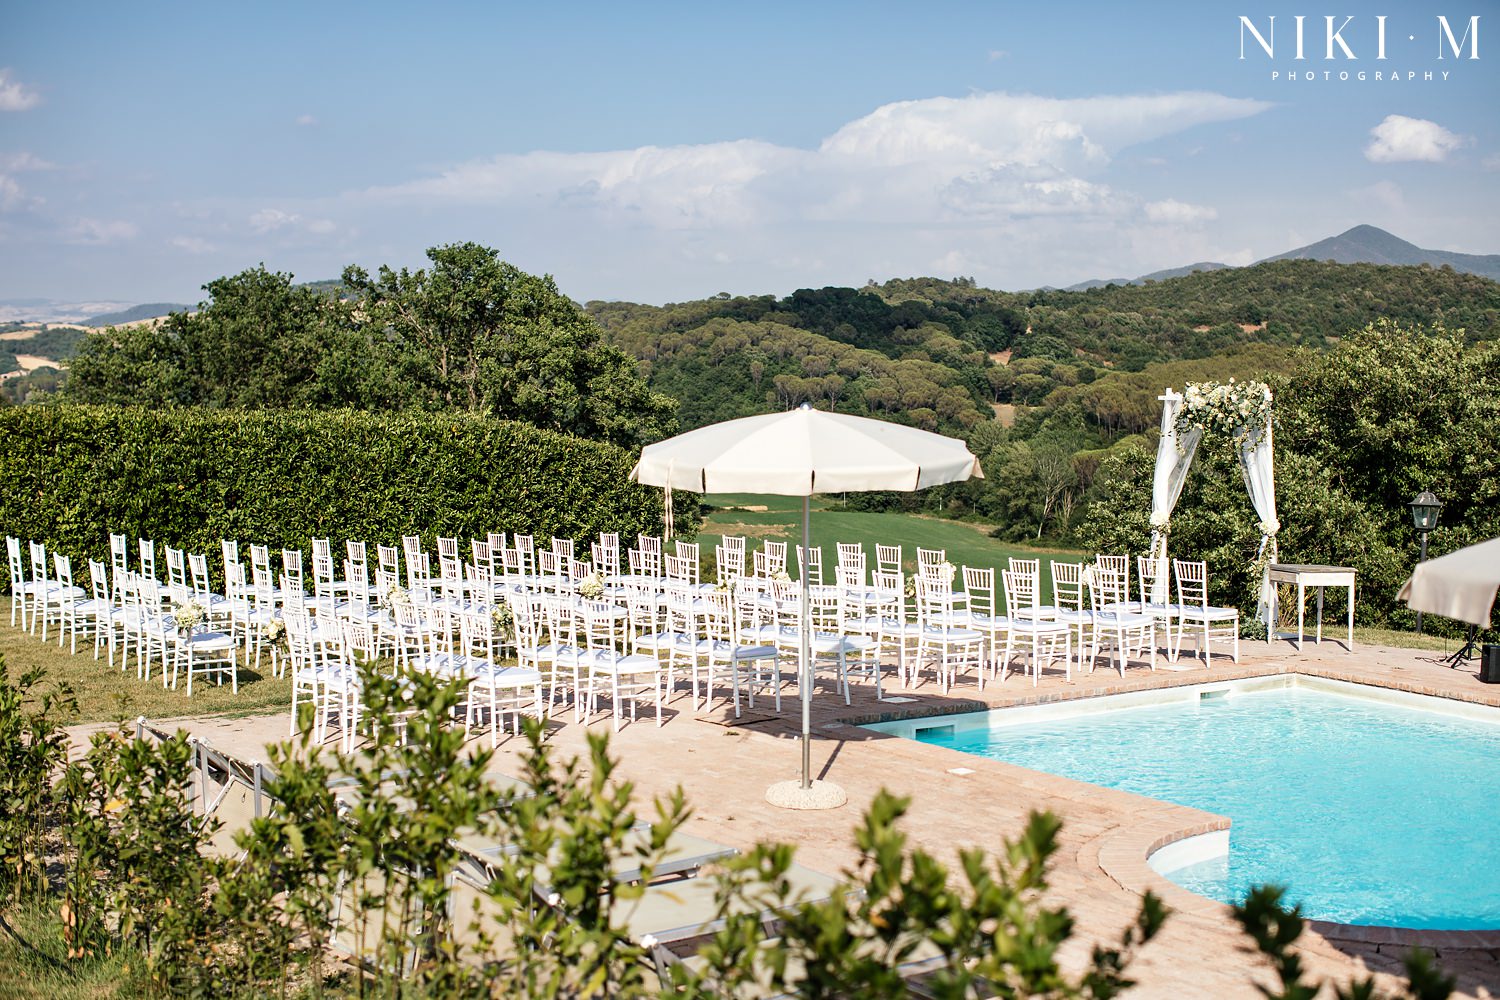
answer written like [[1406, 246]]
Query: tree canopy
[[470, 333]]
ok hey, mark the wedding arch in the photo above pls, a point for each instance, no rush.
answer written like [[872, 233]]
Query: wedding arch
[[1241, 412]]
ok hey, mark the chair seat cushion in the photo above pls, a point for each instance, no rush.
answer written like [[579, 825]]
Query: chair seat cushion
[[605, 662], [752, 652], [829, 644], [208, 642], [952, 634], [1038, 626], [515, 677], [660, 640], [1192, 613], [1122, 619]]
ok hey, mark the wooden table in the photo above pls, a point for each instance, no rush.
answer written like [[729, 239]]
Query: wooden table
[[1311, 576]]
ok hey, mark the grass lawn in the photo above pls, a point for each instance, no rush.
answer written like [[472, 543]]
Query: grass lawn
[[106, 694], [1387, 637], [781, 520], [34, 963]]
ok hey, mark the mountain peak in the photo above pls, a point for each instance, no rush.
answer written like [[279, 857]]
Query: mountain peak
[[1366, 244]]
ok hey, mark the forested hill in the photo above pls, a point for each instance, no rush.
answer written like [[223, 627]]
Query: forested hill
[[944, 354]]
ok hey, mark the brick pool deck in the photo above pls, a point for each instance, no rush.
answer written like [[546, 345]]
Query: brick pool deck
[[1107, 835]]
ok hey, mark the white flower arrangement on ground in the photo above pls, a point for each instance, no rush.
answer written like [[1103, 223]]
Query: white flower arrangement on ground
[[189, 615], [1233, 409], [591, 586], [911, 587]]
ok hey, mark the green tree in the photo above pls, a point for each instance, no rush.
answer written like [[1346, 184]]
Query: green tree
[[478, 334], [258, 341]]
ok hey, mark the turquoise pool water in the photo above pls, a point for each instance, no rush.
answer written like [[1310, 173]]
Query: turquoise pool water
[[1370, 813]]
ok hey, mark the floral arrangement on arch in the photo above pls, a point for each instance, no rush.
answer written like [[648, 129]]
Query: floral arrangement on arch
[[1233, 409]]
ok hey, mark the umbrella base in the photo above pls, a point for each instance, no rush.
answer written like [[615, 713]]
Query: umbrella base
[[791, 795]]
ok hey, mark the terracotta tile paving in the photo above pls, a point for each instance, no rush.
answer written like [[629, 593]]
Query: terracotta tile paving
[[1106, 837]]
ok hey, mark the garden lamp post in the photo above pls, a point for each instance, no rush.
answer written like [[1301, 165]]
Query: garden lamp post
[[1424, 515]]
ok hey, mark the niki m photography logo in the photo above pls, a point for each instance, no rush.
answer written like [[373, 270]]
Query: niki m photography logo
[[1359, 49]]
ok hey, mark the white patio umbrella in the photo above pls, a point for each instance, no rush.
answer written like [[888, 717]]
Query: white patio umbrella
[[799, 453], [1459, 585]]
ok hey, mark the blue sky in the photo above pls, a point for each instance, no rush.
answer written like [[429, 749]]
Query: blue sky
[[665, 151]]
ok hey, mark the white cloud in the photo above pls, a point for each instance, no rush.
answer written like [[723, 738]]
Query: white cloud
[[1401, 139], [192, 244], [1172, 212], [99, 232], [1491, 162], [15, 95], [995, 55], [306, 120], [984, 157], [11, 196], [268, 220], [24, 161]]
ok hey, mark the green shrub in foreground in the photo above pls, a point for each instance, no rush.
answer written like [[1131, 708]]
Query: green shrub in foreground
[[255, 925]]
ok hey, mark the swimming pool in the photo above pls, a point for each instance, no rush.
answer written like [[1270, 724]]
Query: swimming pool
[[1371, 807]]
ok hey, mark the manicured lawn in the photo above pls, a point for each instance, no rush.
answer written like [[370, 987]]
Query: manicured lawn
[[966, 544], [106, 694]]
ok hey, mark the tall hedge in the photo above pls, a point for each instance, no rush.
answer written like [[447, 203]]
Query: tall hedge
[[69, 475]]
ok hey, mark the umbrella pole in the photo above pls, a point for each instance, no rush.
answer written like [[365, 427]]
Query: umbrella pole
[[806, 682]]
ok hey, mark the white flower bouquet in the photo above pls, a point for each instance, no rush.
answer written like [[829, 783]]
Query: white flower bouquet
[[393, 597], [503, 620], [189, 615], [591, 586]]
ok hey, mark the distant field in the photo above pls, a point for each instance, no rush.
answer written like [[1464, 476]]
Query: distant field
[[966, 544]]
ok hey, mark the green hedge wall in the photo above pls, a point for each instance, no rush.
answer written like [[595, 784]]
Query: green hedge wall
[[188, 477]]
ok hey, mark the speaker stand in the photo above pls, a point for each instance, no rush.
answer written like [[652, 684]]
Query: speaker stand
[[1466, 651]]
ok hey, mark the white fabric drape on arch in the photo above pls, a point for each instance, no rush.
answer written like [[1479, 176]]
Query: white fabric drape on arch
[[1174, 456], [1257, 466]]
